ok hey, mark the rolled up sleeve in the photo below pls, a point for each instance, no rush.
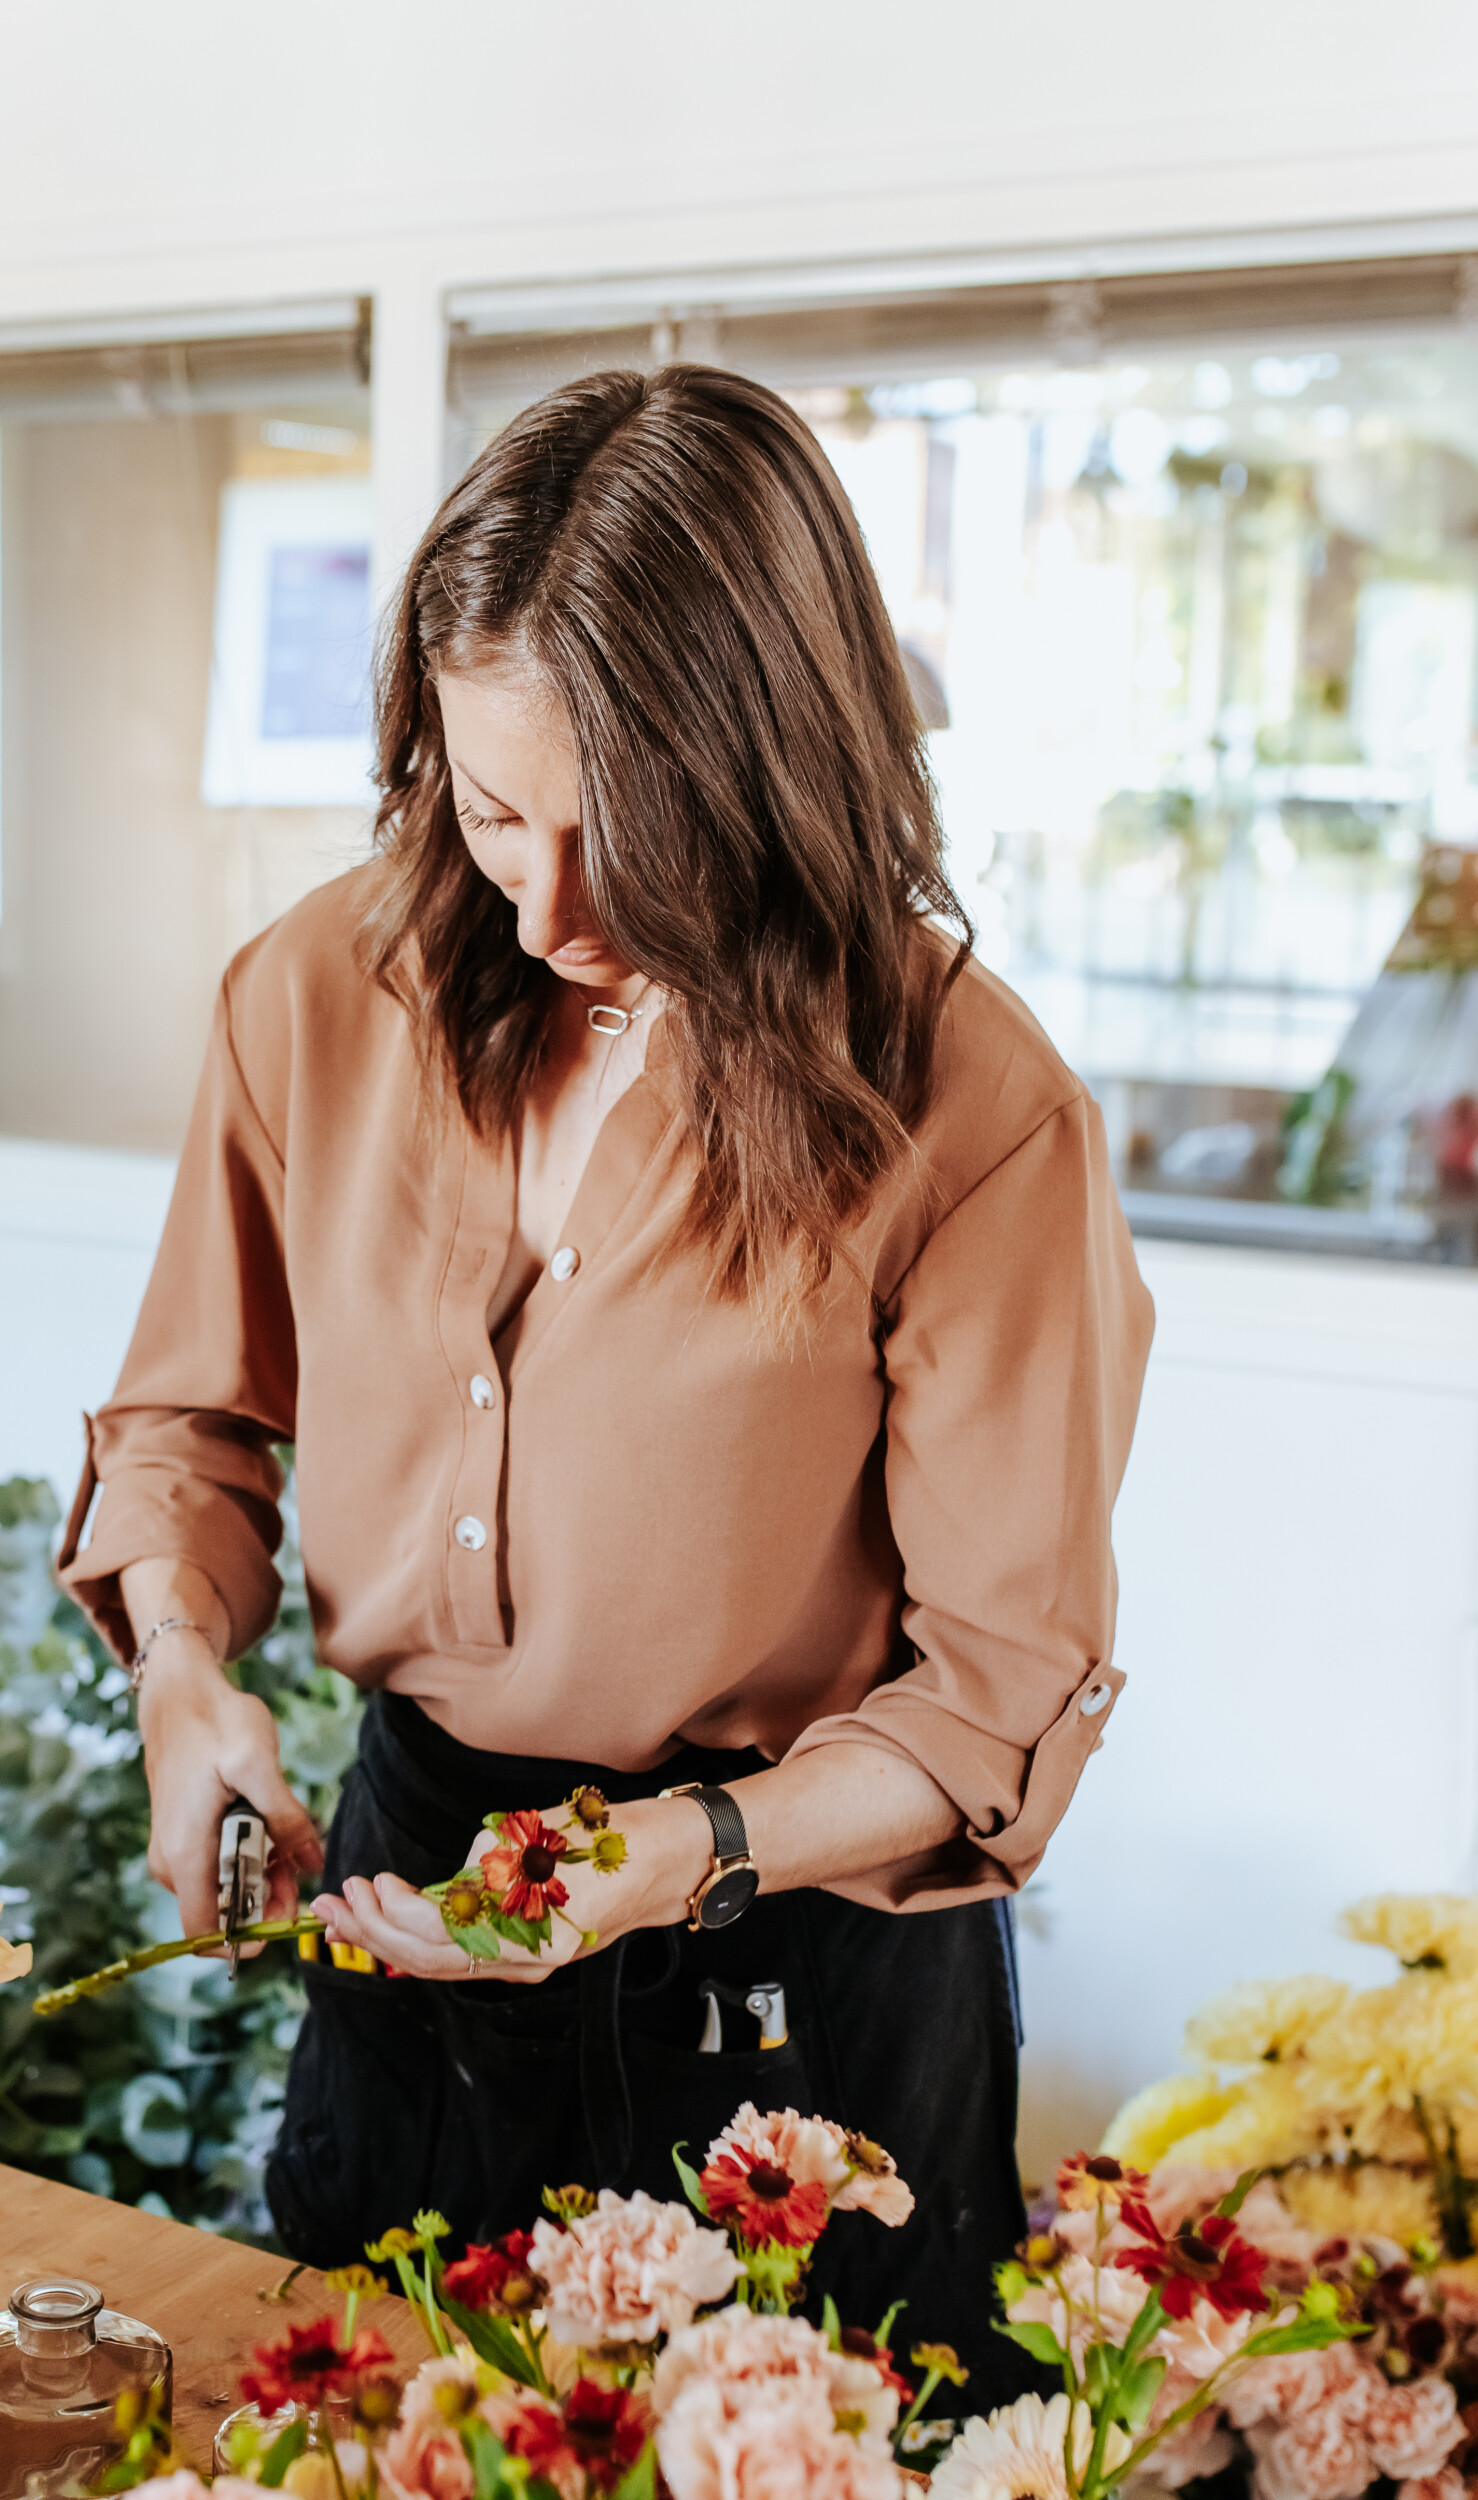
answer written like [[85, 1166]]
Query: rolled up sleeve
[[1015, 1351], [183, 1448]]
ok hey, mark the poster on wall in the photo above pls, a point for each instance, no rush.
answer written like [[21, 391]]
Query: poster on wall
[[289, 716]]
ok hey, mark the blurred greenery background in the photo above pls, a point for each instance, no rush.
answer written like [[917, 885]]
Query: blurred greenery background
[[163, 2093]]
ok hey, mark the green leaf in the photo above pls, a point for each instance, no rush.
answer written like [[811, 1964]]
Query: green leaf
[[689, 2177], [481, 1941], [1034, 2337], [492, 2339], [1100, 2371], [639, 2482], [1012, 2283], [489, 2460], [831, 2323], [1137, 2390], [1145, 2328], [1236, 2197], [1304, 2335], [885, 2331], [285, 2447]]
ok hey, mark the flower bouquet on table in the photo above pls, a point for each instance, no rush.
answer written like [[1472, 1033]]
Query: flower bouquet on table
[[588, 2355]]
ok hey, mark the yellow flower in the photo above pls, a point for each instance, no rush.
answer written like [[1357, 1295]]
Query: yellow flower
[[1155, 2119], [1266, 2019], [1267, 2122], [1361, 2200], [1390, 2047], [15, 1961], [1430, 1930]]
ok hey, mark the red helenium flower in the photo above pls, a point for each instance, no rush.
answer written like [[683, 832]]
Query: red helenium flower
[[764, 2203], [310, 2365], [535, 1887], [500, 2277], [602, 2431], [1205, 2261]]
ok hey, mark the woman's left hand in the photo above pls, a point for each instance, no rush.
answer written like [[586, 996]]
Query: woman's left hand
[[668, 1851]]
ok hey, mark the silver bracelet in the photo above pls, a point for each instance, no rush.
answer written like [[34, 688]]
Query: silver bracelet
[[168, 1623]]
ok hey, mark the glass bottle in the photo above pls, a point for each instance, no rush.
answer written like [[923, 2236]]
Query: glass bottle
[[64, 2362]]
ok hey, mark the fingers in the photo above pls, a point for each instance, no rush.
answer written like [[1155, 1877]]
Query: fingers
[[390, 1919]]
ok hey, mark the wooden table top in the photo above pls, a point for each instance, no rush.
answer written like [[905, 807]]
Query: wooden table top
[[201, 2293]]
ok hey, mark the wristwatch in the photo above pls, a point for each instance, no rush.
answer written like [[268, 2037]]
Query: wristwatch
[[733, 1879]]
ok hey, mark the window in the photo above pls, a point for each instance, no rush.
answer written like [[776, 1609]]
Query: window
[[1183, 570]]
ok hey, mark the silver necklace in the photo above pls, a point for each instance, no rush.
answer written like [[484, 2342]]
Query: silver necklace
[[614, 1021]]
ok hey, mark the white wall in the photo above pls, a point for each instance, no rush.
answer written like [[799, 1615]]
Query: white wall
[[167, 155]]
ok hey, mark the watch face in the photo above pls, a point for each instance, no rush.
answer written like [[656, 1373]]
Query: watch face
[[728, 1897]]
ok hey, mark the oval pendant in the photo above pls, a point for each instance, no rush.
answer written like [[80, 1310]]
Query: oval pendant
[[611, 1020]]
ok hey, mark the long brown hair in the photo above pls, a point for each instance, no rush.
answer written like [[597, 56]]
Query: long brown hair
[[758, 828]]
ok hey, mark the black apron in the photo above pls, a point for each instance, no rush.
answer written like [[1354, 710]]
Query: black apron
[[471, 2096]]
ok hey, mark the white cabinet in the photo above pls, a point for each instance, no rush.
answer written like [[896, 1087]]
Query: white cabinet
[[1296, 1540]]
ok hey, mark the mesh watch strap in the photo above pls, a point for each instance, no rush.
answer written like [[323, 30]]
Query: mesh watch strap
[[730, 1839]]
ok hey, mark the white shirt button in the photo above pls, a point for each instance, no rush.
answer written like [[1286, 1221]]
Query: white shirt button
[[480, 1389], [564, 1263], [1095, 1699], [471, 1533]]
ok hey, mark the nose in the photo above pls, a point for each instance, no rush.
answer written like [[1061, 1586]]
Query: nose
[[549, 897]]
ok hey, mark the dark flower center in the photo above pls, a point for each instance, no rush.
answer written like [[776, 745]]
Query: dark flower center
[[1192, 2256], [311, 2358], [766, 2179], [1102, 2166], [856, 2339], [538, 1864]]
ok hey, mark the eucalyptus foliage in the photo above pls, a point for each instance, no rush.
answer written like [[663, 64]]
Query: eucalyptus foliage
[[165, 2093]]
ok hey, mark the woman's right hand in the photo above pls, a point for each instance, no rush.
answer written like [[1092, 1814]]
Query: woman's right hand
[[205, 1743]]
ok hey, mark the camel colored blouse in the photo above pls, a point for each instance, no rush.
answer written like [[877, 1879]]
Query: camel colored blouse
[[895, 1530]]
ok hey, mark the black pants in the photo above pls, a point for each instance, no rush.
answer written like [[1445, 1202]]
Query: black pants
[[472, 2096]]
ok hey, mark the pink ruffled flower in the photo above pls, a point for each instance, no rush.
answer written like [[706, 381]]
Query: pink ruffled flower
[[739, 2351], [1288, 2385], [1448, 2485], [632, 2270], [423, 2458], [769, 2439], [1201, 2446], [1412, 2429], [1318, 2456]]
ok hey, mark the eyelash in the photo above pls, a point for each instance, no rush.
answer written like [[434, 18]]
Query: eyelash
[[482, 824]]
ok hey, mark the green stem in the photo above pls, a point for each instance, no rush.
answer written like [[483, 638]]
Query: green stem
[[327, 2444], [265, 1931], [931, 2381]]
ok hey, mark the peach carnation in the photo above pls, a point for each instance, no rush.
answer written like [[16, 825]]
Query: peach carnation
[[1448, 2485], [1019, 2452], [1412, 2429], [1318, 2456], [740, 2349], [1202, 2446], [632, 2270], [1290, 2384], [769, 2439]]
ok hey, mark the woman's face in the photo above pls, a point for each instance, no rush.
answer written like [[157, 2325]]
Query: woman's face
[[516, 786]]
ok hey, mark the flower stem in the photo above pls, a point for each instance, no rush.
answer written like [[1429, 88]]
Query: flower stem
[[329, 2446], [265, 1931]]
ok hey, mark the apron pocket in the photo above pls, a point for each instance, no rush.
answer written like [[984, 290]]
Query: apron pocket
[[690, 2095]]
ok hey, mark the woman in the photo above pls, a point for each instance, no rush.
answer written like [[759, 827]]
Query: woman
[[711, 1342]]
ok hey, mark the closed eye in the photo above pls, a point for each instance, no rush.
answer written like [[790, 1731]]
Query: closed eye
[[482, 824]]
